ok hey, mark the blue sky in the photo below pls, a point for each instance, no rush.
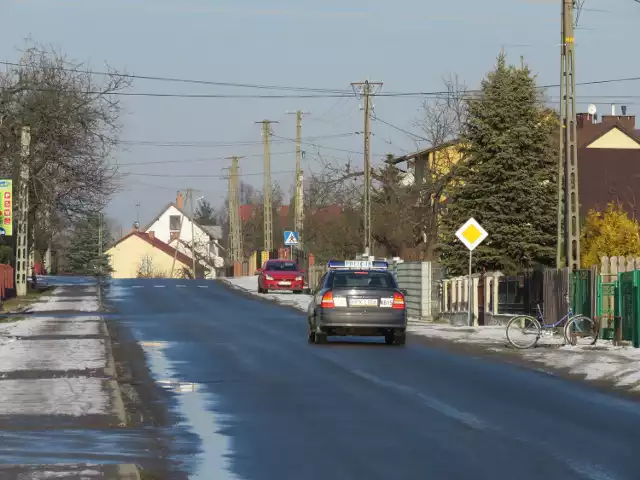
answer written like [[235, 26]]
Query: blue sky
[[407, 44]]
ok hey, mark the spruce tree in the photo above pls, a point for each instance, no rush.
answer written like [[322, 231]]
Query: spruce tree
[[508, 179], [84, 257]]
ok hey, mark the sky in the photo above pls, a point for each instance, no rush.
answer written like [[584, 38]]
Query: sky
[[409, 45]]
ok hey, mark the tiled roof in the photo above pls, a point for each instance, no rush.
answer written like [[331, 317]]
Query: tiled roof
[[606, 175], [160, 245], [591, 132]]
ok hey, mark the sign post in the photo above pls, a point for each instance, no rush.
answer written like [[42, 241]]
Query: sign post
[[291, 239], [471, 234], [6, 213]]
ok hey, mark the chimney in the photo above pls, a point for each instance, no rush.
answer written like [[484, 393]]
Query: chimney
[[623, 109], [180, 201], [613, 109], [151, 234]]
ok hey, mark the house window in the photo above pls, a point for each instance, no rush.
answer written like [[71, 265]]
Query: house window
[[174, 222]]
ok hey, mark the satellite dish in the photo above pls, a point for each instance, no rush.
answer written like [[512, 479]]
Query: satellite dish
[[592, 109]]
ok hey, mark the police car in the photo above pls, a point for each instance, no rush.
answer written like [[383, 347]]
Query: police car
[[358, 298]]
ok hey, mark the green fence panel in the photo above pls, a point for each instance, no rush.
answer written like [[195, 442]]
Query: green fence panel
[[627, 302], [581, 292]]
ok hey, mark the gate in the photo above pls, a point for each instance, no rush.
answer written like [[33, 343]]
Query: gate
[[581, 292], [481, 297], [628, 305]]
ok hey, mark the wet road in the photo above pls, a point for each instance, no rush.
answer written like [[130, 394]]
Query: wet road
[[265, 405]]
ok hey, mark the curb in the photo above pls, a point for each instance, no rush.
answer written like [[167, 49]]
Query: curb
[[110, 370], [128, 471]]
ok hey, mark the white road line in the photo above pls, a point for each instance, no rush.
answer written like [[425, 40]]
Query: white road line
[[159, 286], [203, 286], [181, 286], [137, 286]]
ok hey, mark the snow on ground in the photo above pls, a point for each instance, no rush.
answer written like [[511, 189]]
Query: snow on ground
[[250, 284], [52, 355], [602, 361], [54, 396], [76, 326], [55, 303]]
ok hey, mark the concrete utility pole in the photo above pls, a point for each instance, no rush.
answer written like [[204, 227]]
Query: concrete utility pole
[[193, 232], [23, 215], [298, 209], [235, 226], [268, 208], [100, 246], [366, 90], [568, 160]]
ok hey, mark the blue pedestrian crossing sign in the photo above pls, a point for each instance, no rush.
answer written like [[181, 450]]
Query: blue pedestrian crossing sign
[[291, 238]]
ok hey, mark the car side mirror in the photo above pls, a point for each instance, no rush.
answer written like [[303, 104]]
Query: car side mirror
[[258, 271]]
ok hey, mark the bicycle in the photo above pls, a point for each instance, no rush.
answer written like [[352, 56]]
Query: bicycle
[[533, 328]]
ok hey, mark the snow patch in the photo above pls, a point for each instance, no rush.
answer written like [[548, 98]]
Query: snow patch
[[76, 326], [55, 303], [54, 396], [55, 355], [300, 301]]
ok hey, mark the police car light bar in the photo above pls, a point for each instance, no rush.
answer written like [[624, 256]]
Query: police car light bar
[[358, 265]]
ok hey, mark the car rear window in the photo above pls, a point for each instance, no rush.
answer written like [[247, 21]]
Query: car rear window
[[282, 266], [365, 279]]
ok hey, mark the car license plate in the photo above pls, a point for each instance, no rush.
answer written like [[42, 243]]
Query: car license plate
[[386, 302], [284, 284], [363, 302]]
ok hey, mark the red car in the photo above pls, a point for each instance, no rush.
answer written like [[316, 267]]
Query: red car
[[280, 275]]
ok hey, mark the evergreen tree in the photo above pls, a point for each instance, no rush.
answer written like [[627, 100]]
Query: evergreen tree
[[508, 179], [84, 258]]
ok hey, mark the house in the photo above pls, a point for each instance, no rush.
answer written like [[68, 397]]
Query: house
[[176, 228], [439, 160], [140, 254], [608, 161]]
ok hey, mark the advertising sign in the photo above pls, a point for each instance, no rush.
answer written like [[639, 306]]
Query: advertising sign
[[6, 213]]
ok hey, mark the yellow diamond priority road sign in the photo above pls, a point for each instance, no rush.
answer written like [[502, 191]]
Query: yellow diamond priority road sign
[[471, 234]]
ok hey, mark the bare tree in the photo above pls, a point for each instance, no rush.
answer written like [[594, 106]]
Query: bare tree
[[74, 120]]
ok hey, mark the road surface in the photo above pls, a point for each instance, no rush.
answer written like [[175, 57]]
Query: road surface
[[259, 403]]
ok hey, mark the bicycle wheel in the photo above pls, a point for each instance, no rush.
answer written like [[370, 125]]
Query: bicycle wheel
[[523, 331], [581, 330]]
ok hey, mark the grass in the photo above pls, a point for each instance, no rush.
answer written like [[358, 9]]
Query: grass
[[17, 304]]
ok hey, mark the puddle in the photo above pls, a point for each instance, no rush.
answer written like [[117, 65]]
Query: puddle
[[194, 405]]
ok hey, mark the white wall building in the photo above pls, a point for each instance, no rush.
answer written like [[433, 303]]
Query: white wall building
[[174, 227]]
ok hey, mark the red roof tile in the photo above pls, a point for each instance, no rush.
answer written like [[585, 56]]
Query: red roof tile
[[160, 245], [607, 175]]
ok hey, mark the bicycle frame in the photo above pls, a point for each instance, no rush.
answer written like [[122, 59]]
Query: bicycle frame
[[566, 318]]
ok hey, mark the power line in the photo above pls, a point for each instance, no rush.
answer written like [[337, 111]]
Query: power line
[[163, 175], [192, 81], [193, 160], [318, 92], [158, 143]]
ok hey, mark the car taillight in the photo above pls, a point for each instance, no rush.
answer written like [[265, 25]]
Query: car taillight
[[327, 300], [298, 278], [398, 301]]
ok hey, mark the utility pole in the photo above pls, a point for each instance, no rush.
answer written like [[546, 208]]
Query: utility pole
[[268, 209], [366, 90], [298, 204], [235, 228], [100, 247], [23, 214], [568, 161], [193, 232]]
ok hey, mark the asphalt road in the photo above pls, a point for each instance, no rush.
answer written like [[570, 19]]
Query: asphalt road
[[269, 406]]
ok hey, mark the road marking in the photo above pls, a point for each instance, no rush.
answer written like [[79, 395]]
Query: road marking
[[137, 286], [203, 286], [159, 286], [181, 286]]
